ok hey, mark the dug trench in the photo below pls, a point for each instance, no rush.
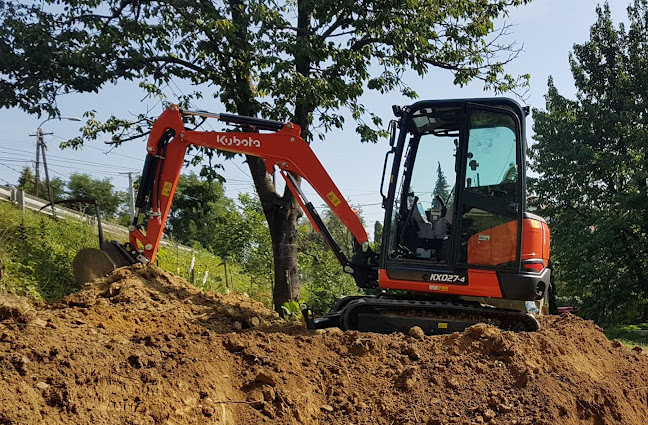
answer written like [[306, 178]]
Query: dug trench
[[145, 347]]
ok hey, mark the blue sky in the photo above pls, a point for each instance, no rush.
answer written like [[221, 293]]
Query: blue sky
[[547, 28]]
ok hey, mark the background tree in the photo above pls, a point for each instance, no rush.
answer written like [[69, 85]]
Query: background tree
[[257, 252], [82, 185], [323, 281], [27, 182], [378, 232], [304, 61], [440, 188], [200, 206], [592, 157]]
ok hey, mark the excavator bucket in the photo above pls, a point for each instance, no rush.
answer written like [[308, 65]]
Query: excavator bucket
[[92, 263]]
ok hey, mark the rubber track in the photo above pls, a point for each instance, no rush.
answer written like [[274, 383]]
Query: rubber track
[[508, 319]]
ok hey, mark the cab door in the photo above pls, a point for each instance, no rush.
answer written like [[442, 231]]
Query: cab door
[[491, 192]]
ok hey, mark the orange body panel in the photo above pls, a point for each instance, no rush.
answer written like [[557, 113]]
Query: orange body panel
[[535, 241], [493, 246], [481, 283], [496, 245]]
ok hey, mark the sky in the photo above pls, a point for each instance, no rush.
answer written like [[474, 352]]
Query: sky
[[547, 30]]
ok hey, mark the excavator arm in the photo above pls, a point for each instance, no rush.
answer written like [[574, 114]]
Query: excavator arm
[[280, 145]]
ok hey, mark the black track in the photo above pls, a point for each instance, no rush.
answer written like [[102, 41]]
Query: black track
[[386, 315]]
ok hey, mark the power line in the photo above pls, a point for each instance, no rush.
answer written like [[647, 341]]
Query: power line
[[75, 166], [62, 158], [105, 152]]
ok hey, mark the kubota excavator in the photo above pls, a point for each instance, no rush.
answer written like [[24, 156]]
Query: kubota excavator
[[458, 245]]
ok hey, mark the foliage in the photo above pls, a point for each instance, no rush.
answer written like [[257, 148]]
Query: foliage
[[322, 275], [593, 160], [378, 234], [199, 213], [37, 252], [27, 182], [319, 51], [291, 309], [83, 185], [256, 258], [627, 335]]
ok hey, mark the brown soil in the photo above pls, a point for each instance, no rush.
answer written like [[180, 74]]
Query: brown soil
[[145, 347]]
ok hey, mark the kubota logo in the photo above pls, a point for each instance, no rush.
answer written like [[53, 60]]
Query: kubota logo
[[235, 141]]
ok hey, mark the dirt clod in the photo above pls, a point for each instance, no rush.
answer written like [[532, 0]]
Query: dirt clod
[[144, 347], [416, 332]]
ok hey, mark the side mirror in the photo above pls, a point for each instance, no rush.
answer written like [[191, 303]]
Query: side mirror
[[393, 127]]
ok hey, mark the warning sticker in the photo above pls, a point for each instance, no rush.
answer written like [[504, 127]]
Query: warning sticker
[[166, 189], [438, 288], [334, 199], [443, 325]]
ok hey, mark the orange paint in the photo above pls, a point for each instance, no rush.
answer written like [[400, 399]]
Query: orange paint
[[481, 283]]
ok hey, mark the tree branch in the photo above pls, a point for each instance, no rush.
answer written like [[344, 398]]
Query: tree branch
[[171, 59]]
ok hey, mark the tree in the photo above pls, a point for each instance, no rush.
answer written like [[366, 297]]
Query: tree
[[592, 158], [27, 182], [82, 185], [202, 213], [302, 60], [257, 252], [378, 232], [440, 187]]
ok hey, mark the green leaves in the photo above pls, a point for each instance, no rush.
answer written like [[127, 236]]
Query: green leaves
[[592, 157], [269, 56]]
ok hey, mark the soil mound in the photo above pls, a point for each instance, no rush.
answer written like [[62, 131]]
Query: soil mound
[[145, 347]]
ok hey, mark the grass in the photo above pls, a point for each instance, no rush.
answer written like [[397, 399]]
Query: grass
[[37, 254], [627, 336]]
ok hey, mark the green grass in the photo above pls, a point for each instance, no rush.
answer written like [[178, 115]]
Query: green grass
[[627, 336], [37, 254]]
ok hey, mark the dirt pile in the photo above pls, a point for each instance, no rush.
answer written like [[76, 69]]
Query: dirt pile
[[145, 347]]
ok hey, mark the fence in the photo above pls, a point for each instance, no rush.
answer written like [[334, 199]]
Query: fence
[[25, 200]]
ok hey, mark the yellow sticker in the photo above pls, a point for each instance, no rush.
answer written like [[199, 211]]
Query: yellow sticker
[[535, 224], [334, 199], [438, 288], [166, 189], [443, 326]]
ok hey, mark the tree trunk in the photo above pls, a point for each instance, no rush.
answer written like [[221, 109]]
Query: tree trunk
[[282, 213]]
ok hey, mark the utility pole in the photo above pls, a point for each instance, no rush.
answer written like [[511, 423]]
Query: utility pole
[[39, 136], [40, 148], [47, 179], [131, 195]]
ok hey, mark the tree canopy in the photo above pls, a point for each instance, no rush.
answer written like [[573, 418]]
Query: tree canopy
[[592, 157], [27, 182], [81, 185]]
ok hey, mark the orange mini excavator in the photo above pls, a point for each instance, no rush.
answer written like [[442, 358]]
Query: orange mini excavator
[[458, 245]]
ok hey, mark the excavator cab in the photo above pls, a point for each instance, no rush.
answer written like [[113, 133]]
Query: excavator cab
[[457, 237], [456, 198]]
